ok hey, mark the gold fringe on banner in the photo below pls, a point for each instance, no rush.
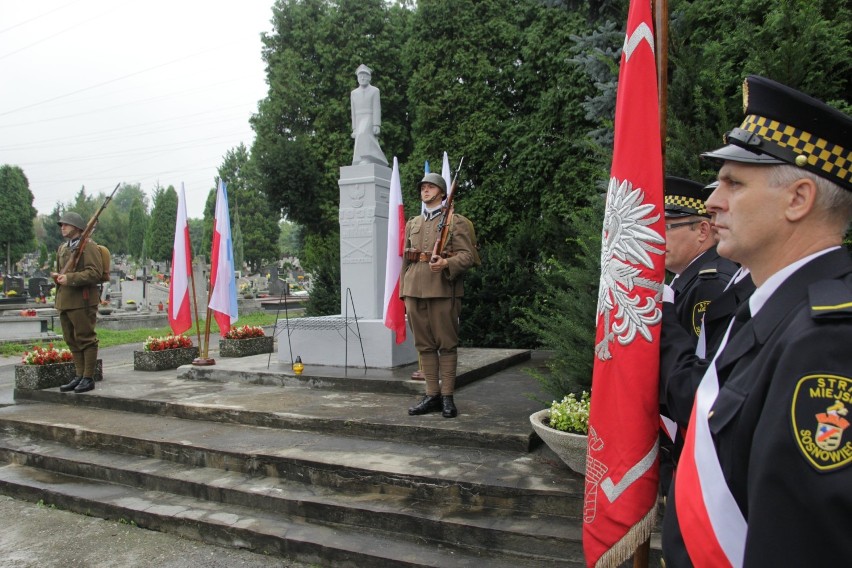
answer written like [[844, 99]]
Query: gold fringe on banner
[[624, 548]]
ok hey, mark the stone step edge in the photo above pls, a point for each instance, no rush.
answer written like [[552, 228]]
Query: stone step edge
[[318, 380], [291, 467], [521, 442], [505, 529], [239, 527]]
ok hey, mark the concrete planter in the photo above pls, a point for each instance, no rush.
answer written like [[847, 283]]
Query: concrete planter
[[165, 359], [245, 347], [36, 377], [571, 448]]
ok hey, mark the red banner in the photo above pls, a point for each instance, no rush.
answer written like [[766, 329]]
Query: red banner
[[621, 464]]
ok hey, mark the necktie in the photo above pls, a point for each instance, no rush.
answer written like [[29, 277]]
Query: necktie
[[741, 316]]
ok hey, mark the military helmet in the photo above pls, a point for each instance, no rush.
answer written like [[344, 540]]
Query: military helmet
[[73, 219], [434, 179]]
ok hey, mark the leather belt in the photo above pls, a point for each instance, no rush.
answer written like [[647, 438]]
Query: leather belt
[[417, 256]]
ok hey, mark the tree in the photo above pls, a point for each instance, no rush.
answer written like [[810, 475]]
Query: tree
[[137, 226], [160, 236], [253, 220], [17, 215], [289, 239], [707, 67]]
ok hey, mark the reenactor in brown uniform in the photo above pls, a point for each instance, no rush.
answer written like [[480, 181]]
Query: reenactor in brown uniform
[[77, 298], [432, 289]]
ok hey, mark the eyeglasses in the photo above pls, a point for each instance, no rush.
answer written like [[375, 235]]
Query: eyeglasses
[[670, 226]]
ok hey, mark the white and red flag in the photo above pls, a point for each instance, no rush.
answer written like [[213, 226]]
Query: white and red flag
[[223, 298], [621, 464], [180, 315], [447, 174], [394, 310]]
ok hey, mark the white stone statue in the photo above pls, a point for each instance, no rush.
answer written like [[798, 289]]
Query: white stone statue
[[366, 120]]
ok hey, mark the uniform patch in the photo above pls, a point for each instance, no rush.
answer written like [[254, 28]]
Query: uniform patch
[[820, 414], [698, 315]]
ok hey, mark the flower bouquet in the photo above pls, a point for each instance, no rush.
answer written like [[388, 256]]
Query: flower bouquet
[[571, 414], [244, 332], [167, 342], [50, 356]]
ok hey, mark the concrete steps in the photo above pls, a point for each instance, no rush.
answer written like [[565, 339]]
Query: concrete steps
[[320, 476], [299, 408]]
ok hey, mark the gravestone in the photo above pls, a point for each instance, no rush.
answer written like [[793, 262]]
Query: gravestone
[[16, 284], [37, 286]]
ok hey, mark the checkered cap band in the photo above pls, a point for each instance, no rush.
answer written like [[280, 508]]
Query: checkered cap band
[[686, 203], [822, 155]]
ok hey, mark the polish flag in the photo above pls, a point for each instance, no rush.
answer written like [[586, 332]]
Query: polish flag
[[394, 311], [180, 316], [621, 462], [447, 174], [223, 299]]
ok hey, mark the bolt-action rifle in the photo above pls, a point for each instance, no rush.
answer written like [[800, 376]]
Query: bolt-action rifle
[[86, 235], [446, 218]]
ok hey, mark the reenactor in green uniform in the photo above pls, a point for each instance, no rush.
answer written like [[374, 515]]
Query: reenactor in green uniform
[[432, 289], [77, 299]]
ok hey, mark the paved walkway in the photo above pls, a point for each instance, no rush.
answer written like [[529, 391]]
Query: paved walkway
[[37, 536]]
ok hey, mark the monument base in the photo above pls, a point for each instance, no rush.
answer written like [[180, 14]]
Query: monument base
[[327, 341]]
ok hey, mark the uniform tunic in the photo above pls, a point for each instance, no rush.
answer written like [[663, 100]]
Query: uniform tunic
[[698, 285], [780, 423], [419, 282]]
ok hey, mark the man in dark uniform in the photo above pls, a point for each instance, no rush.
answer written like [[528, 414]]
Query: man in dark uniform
[[765, 475], [432, 288], [700, 273], [77, 298], [700, 277]]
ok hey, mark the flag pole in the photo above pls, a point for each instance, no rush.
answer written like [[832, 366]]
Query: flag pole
[[661, 20], [204, 359], [194, 301], [660, 9]]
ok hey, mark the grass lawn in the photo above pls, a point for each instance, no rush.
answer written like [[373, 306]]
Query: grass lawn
[[109, 337]]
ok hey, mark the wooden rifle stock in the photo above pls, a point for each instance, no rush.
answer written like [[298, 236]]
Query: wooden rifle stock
[[446, 218], [87, 233]]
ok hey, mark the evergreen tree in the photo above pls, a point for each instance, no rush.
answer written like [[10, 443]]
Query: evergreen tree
[[17, 215], [160, 236], [250, 211], [137, 226]]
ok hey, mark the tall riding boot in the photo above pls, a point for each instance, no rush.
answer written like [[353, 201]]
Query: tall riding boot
[[432, 401], [79, 363], [429, 364], [90, 361], [448, 364]]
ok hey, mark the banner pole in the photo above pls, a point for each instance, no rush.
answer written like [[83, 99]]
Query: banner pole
[[204, 359]]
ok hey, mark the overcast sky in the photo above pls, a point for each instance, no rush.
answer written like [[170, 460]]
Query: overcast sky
[[97, 92]]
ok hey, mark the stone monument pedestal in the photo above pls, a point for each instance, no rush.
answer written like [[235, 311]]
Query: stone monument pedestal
[[331, 340], [334, 340]]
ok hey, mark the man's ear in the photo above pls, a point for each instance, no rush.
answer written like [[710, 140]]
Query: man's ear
[[705, 231], [801, 196]]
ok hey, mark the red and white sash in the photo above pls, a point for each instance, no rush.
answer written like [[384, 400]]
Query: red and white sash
[[712, 525]]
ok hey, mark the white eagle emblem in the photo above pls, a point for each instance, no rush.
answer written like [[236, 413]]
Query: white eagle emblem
[[627, 241]]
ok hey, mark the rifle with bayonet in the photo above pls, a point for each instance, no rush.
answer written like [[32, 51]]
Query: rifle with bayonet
[[86, 235], [446, 218]]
